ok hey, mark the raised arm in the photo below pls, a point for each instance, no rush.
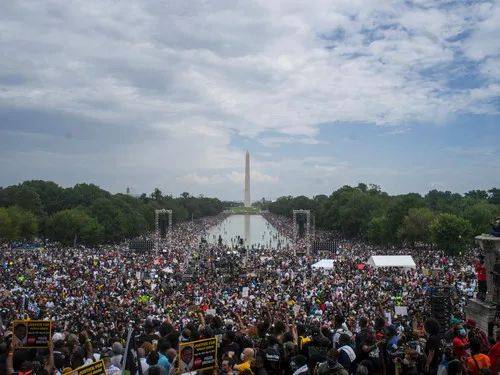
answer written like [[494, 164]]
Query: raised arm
[[50, 363]]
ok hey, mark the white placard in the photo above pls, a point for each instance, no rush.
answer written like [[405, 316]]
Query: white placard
[[210, 312], [401, 310], [388, 317]]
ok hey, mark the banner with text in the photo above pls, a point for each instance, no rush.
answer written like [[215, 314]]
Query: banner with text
[[33, 333], [96, 368], [197, 355]]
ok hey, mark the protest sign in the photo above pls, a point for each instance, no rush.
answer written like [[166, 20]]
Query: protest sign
[[96, 368], [401, 310], [388, 317], [244, 292], [211, 312], [33, 333], [197, 355]]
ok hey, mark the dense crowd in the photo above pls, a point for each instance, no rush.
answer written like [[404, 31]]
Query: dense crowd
[[271, 312]]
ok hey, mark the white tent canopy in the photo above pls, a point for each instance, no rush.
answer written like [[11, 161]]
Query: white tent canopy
[[326, 264], [404, 261]]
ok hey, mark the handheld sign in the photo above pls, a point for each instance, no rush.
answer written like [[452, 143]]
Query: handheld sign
[[197, 355], [401, 310], [33, 333], [96, 368], [244, 292]]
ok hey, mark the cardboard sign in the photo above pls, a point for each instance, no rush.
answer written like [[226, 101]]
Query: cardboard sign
[[401, 310], [33, 333], [244, 292], [96, 368], [197, 355], [388, 317], [211, 312]]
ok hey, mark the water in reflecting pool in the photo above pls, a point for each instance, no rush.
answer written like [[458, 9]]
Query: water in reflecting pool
[[253, 229]]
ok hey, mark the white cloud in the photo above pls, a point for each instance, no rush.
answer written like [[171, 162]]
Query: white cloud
[[195, 74]]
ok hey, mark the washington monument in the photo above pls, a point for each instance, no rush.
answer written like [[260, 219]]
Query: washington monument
[[248, 202]]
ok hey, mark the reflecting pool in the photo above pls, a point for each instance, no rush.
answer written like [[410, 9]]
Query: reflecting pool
[[252, 230]]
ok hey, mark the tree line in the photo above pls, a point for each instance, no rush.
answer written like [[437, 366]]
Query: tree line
[[441, 218], [87, 214]]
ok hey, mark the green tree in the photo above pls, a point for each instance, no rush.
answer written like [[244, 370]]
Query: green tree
[[377, 232], [84, 195], [494, 194], [356, 212], [52, 196], [477, 194], [25, 223], [480, 215], [7, 229], [157, 195], [443, 201], [74, 226], [451, 233], [416, 226], [397, 210], [21, 196], [110, 217]]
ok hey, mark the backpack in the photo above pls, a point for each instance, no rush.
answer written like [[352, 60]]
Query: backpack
[[482, 371]]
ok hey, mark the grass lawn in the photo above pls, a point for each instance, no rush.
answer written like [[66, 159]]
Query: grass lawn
[[245, 210]]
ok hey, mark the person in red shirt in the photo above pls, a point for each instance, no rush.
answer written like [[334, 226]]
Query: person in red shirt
[[494, 355], [460, 343], [481, 278]]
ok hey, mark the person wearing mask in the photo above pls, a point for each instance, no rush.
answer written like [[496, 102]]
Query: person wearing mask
[[477, 361], [247, 356]]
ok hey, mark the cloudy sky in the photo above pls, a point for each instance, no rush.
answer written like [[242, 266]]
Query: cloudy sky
[[404, 94]]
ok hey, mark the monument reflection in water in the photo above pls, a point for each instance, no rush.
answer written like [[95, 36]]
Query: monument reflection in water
[[254, 230]]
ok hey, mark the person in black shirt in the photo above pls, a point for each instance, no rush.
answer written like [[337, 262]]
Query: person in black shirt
[[433, 349], [273, 356]]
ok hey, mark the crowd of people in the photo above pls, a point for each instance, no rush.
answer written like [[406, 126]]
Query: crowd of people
[[271, 312]]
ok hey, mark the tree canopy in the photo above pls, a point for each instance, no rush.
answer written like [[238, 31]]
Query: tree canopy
[[367, 212], [87, 214]]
